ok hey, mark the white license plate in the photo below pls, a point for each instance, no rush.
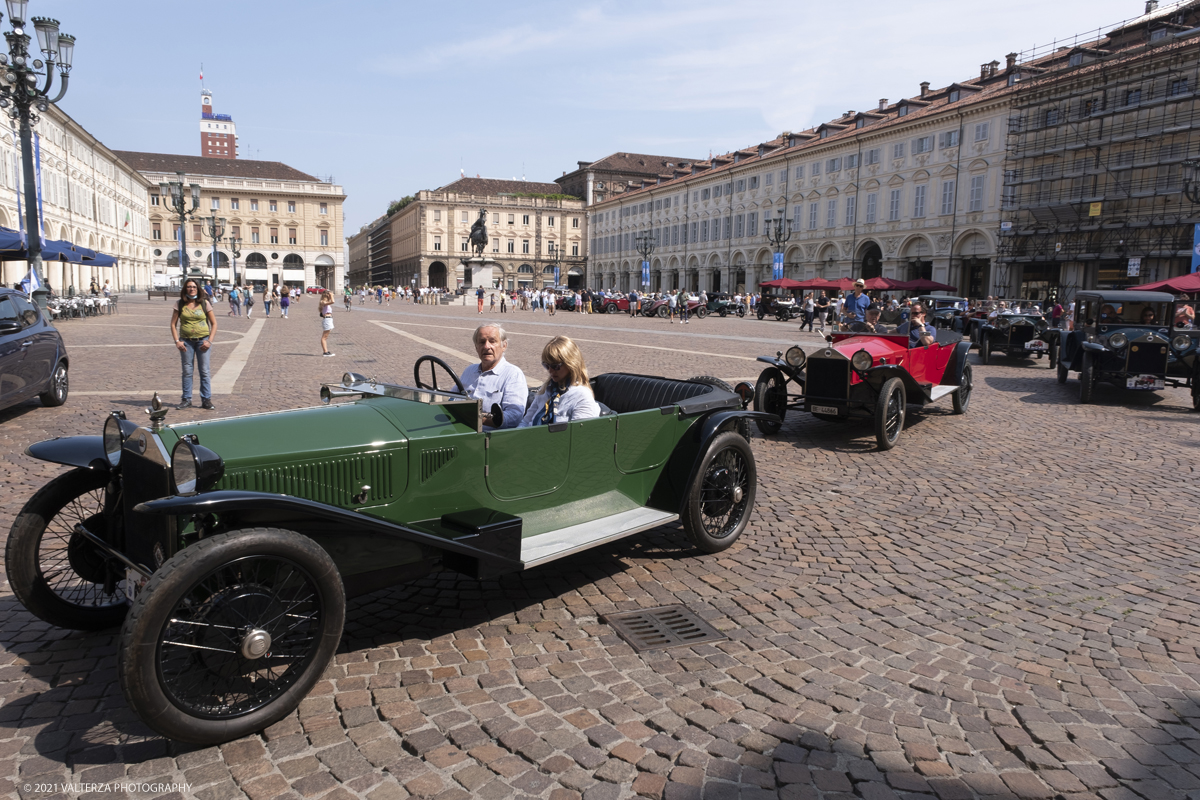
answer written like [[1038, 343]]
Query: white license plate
[[1145, 382], [824, 410], [1037, 344]]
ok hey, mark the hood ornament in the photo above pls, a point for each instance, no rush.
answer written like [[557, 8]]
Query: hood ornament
[[157, 413]]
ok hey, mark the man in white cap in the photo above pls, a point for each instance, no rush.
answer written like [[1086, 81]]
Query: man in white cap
[[858, 302]]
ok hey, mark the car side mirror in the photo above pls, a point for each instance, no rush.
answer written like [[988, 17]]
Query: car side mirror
[[9, 326]]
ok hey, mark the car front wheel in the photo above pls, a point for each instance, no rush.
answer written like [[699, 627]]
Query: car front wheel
[[962, 395], [770, 397], [701, 312], [889, 413], [54, 570], [230, 634], [762, 313], [721, 497], [612, 308], [1087, 379], [985, 353], [56, 390]]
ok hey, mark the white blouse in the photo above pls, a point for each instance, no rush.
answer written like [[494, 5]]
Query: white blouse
[[576, 403]]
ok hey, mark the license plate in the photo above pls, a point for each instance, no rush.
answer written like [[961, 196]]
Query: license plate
[[824, 410], [1145, 382], [1037, 344]]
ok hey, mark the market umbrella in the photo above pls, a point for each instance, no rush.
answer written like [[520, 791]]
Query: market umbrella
[[1184, 284], [784, 283], [875, 284]]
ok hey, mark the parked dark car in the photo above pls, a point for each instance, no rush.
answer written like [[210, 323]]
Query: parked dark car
[[723, 305], [778, 303], [944, 310], [33, 359], [1123, 338], [1017, 335]]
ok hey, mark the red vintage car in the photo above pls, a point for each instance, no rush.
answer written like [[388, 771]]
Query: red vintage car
[[661, 308], [864, 376]]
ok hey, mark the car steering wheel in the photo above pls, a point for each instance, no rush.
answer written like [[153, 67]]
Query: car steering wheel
[[434, 363]]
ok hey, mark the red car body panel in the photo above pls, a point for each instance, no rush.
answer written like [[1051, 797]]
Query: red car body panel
[[926, 364]]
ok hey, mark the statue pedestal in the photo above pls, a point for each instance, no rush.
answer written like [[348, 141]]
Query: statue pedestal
[[477, 271]]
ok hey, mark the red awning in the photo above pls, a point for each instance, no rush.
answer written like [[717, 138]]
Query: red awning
[[1184, 284], [783, 283]]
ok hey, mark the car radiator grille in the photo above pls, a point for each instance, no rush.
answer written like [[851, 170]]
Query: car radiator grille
[[1148, 360], [141, 480], [333, 481], [1020, 334], [827, 377]]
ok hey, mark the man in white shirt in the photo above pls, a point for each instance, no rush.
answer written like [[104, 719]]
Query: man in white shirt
[[494, 380]]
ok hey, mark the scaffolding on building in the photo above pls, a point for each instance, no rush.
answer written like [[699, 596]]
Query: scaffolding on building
[[1097, 135]]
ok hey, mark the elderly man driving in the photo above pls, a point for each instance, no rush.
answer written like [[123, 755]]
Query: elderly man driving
[[494, 380]]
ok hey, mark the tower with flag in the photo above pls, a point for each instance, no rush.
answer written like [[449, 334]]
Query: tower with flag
[[218, 134]]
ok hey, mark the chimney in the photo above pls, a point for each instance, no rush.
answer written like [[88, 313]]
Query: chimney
[[1011, 60], [850, 113], [882, 103], [1151, 5], [924, 88]]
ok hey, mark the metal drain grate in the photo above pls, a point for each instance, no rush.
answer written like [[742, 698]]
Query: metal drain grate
[[660, 628]]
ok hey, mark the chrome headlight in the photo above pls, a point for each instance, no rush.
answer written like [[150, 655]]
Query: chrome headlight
[[1118, 340], [1181, 342], [795, 357], [861, 360], [114, 440], [351, 378], [194, 468]]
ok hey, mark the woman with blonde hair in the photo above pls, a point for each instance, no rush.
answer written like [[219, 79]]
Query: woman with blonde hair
[[566, 395], [325, 307]]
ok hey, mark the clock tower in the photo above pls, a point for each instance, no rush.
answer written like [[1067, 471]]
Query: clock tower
[[218, 135]]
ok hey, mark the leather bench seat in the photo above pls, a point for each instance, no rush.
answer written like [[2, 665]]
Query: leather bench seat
[[623, 392]]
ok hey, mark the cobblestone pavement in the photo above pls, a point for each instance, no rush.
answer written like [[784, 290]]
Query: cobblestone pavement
[[1005, 605]]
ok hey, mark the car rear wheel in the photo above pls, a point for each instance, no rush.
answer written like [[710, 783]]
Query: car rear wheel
[[889, 413], [1087, 379], [1053, 355], [701, 312], [741, 312], [722, 313], [770, 396], [230, 634], [721, 497], [612, 308], [55, 571], [762, 312], [1062, 371], [962, 395], [56, 391], [664, 312], [985, 354]]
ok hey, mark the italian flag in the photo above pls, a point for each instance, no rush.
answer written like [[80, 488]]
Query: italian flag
[[126, 225]]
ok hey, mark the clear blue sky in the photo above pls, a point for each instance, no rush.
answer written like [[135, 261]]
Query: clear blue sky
[[393, 97]]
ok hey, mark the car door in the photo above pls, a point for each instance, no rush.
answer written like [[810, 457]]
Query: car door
[[527, 462], [12, 351], [41, 354]]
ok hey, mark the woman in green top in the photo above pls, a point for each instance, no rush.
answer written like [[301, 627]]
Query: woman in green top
[[193, 326]]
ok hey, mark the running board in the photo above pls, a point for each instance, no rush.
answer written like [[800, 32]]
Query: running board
[[940, 391], [540, 549]]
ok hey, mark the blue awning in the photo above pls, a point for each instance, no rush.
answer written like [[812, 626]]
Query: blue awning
[[11, 249]]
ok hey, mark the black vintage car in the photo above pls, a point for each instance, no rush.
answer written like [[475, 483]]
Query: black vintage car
[[778, 303], [1183, 361], [1123, 338], [1017, 335], [942, 310], [723, 305]]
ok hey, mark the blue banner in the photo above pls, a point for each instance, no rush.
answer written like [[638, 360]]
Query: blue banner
[[37, 171], [556, 280], [778, 271], [1196, 249], [646, 271]]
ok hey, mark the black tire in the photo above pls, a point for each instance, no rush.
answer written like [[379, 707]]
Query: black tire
[[741, 311], [182, 670], [761, 312], [782, 316], [722, 313], [889, 413], [701, 312], [721, 497], [770, 396], [985, 353], [1062, 371], [55, 572], [664, 312], [1053, 355], [1087, 378], [740, 425], [1195, 398], [612, 308], [56, 391], [962, 395]]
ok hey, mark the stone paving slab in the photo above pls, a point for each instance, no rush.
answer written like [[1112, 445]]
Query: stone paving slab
[[1006, 605]]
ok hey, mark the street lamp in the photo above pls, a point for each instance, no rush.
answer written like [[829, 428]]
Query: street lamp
[[215, 228], [235, 251], [777, 235], [645, 246], [19, 93], [556, 254], [174, 199]]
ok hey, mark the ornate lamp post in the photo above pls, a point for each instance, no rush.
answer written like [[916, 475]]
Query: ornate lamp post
[[645, 246], [19, 93], [215, 228], [175, 201], [556, 254], [235, 251], [777, 235]]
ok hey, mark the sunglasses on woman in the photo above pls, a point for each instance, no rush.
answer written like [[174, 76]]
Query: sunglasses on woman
[[551, 367]]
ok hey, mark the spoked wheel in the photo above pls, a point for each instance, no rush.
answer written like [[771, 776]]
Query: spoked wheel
[[435, 362], [1087, 379], [962, 395], [663, 312], [985, 353], [722, 313], [701, 312], [55, 571], [56, 391], [770, 396], [612, 308], [721, 497], [889, 413], [230, 634]]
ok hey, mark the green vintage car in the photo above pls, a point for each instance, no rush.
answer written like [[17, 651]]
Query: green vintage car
[[227, 548]]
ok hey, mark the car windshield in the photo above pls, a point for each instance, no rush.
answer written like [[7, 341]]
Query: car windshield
[[1112, 313]]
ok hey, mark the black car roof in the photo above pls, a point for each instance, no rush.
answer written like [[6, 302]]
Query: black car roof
[[1126, 296]]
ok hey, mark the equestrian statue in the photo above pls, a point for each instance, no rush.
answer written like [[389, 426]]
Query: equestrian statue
[[479, 234]]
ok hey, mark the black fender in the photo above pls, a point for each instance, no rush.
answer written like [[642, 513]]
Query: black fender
[[229, 501], [73, 451], [784, 367], [954, 368], [877, 376]]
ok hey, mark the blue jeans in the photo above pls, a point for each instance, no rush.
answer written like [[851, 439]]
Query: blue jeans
[[267, 306], [284, 309], [192, 351]]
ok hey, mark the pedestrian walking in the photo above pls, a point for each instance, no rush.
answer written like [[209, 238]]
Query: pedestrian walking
[[503, 304], [249, 300], [285, 302], [671, 301], [809, 310], [235, 307], [479, 300], [325, 309], [682, 301], [267, 300], [193, 327]]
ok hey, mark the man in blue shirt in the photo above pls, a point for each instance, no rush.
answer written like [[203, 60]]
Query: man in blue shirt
[[919, 333], [495, 381], [858, 302]]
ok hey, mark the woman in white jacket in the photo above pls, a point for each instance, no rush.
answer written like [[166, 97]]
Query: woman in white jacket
[[566, 396]]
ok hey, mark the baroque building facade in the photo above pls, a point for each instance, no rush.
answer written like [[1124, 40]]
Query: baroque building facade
[[289, 222], [424, 243]]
